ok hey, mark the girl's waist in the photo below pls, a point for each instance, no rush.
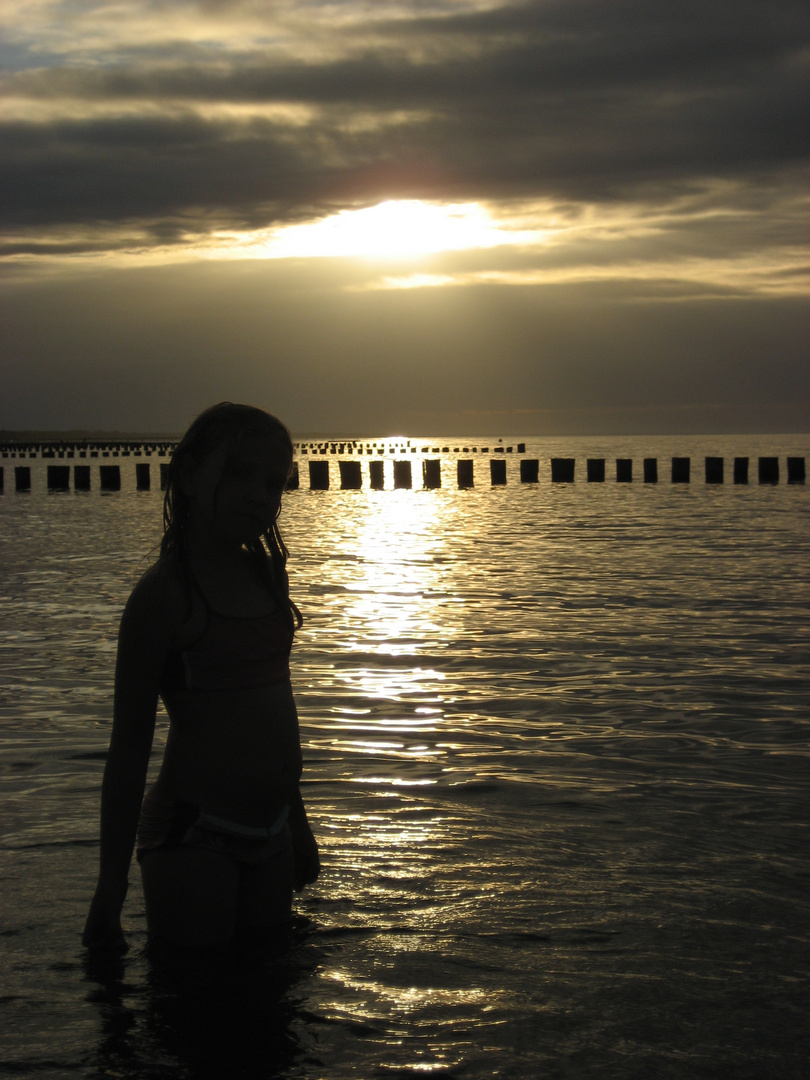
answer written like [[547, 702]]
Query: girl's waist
[[264, 702], [166, 822], [215, 823], [257, 807]]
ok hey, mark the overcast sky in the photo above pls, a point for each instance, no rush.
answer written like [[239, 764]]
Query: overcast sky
[[427, 217]]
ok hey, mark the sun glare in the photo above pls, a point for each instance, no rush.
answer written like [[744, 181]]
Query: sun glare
[[398, 228]]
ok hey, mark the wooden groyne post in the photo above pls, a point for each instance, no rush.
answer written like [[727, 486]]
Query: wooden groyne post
[[562, 470], [714, 470], [595, 470], [681, 470], [795, 470], [58, 478], [351, 475], [376, 474], [432, 473], [529, 471], [740, 470], [466, 473], [81, 477], [402, 474], [769, 470], [497, 472], [143, 478], [624, 470], [319, 475], [109, 477]]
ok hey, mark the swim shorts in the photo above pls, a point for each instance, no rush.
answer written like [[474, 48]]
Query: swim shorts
[[168, 823]]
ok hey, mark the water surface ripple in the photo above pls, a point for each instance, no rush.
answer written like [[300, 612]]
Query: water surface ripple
[[556, 743]]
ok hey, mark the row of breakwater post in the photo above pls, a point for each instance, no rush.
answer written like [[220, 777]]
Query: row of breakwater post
[[109, 477], [562, 471], [86, 449], [400, 458], [164, 448]]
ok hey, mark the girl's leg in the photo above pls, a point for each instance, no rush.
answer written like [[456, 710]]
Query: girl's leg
[[265, 894], [191, 894]]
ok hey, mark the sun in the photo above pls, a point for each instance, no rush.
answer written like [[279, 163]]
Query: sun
[[394, 229]]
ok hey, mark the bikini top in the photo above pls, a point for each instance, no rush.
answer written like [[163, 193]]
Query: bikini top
[[232, 653]]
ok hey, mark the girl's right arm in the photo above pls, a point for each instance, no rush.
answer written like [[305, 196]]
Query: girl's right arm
[[143, 642]]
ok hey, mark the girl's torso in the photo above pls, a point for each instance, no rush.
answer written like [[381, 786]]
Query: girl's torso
[[220, 651], [233, 745]]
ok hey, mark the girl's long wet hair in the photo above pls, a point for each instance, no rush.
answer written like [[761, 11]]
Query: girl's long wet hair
[[227, 425]]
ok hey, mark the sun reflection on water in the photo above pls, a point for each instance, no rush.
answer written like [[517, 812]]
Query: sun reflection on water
[[387, 704], [400, 572]]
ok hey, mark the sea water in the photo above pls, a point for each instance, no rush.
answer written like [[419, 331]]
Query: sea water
[[556, 746]]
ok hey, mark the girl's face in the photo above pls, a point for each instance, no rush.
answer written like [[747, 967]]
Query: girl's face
[[236, 492]]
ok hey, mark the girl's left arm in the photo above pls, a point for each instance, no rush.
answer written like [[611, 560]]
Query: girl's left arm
[[305, 846]]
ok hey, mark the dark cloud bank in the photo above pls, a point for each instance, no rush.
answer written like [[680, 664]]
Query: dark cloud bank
[[582, 101], [647, 105]]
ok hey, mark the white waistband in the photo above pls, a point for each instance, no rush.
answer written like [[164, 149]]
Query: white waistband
[[234, 828]]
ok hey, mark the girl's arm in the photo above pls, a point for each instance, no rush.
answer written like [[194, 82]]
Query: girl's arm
[[143, 642], [305, 847]]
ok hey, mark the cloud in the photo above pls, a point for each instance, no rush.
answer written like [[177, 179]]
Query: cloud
[[249, 114], [639, 170]]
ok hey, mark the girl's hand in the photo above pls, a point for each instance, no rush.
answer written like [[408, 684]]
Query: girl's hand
[[102, 931], [305, 852]]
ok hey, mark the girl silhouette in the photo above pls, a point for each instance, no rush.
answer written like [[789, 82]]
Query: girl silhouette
[[222, 835]]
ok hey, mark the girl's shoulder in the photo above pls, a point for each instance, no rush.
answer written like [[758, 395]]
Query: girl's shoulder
[[160, 595]]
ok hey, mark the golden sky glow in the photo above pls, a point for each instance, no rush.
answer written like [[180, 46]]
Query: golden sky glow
[[404, 227], [330, 193]]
